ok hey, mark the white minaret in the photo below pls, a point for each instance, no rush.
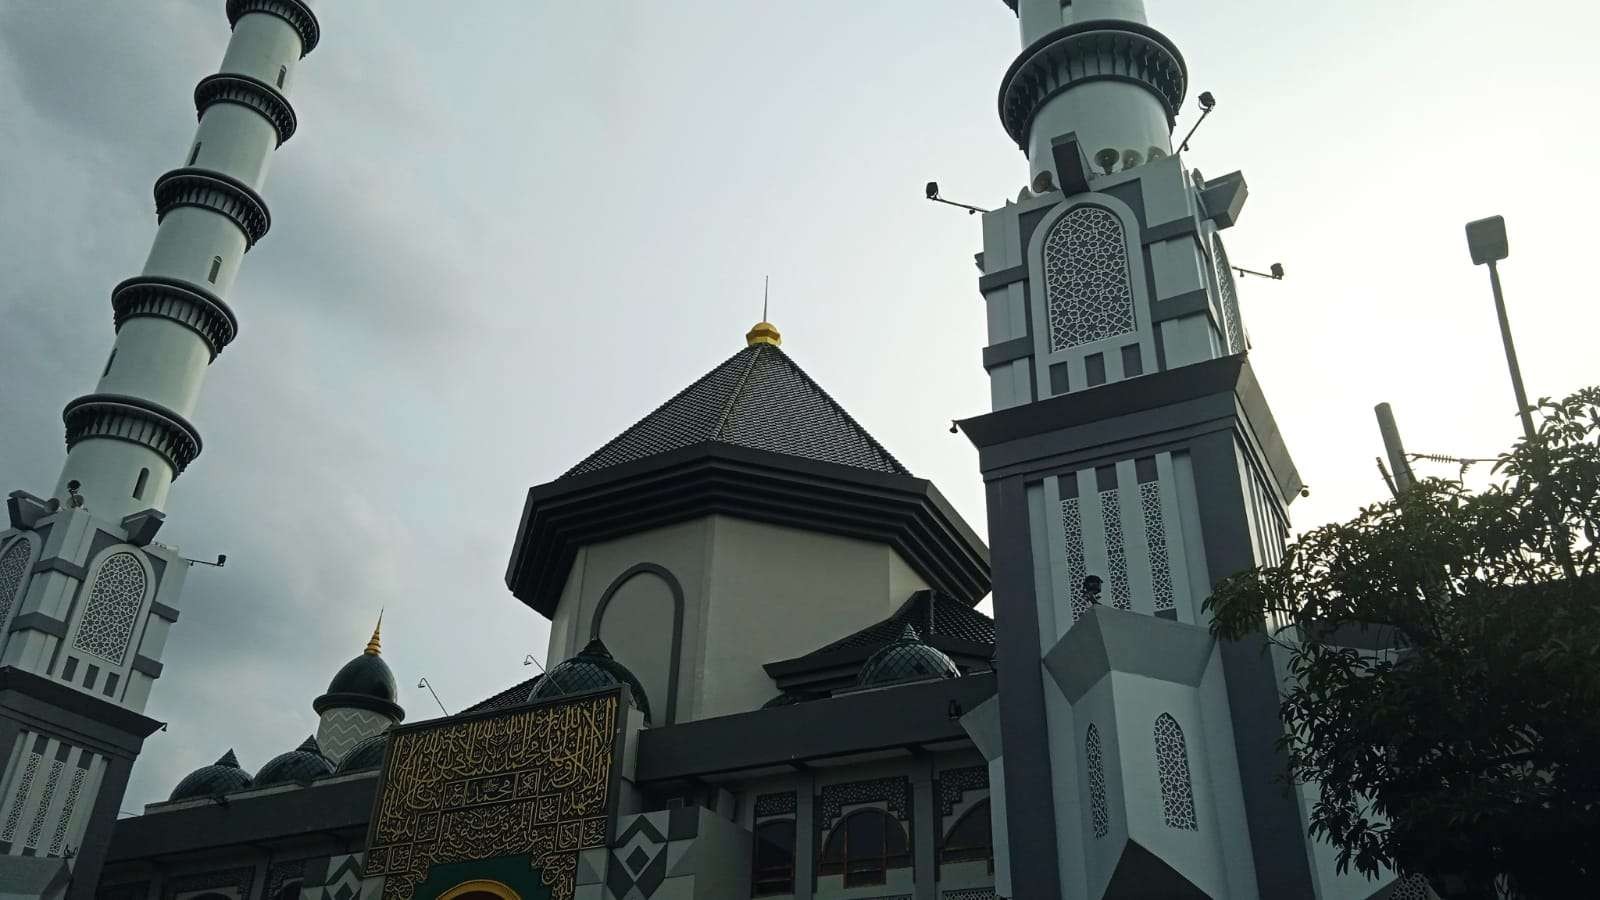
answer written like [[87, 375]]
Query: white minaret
[[86, 595], [130, 439]]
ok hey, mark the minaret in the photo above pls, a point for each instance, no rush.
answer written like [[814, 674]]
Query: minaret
[[1130, 462], [86, 596]]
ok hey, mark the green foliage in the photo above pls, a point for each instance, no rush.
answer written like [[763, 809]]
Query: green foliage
[[1443, 650]]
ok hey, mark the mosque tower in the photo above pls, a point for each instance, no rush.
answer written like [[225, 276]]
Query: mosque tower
[[1130, 462], [86, 595]]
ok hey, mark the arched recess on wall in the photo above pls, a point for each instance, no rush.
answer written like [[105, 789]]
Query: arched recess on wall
[[105, 628], [634, 647], [15, 560], [480, 889], [1091, 317]]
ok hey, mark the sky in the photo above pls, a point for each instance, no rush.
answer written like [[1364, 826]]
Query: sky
[[504, 233]]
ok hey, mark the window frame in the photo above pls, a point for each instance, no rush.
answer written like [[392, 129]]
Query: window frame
[[760, 879], [839, 837]]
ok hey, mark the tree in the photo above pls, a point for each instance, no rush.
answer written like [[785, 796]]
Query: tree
[[1442, 650]]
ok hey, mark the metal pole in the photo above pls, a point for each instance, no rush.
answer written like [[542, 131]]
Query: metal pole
[[1403, 479], [1523, 409]]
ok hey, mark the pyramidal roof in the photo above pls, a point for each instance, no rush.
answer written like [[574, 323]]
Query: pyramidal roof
[[758, 399]]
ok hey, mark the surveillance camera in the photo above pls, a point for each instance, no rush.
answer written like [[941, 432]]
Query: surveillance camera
[[933, 190], [953, 427], [1277, 271], [1305, 491], [1207, 102]]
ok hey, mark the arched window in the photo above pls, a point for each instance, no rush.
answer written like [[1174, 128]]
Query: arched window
[[113, 608], [138, 485], [109, 360], [864, 847], [216, 268], [195, 153], [13, 567], [1087, 284], [1099, 809], [1172, 763], [772, 870], [283, 72], [970, 839]]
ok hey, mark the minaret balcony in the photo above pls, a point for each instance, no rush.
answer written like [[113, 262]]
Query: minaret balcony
[[296, 13], [220, 193], [1085, 52], [136, 421], [188, 304], [251, 93]]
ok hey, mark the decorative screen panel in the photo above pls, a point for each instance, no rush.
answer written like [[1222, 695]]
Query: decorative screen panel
[[1412, 887], [20, 796], [13, 566], [1099, 809], [1172, 763], [113, 608], [1116, 553], [1087, 283], [1229, 297], [1072, 527], [1155, 536]]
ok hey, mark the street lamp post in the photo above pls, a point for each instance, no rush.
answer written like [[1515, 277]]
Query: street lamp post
[[1486, 238]]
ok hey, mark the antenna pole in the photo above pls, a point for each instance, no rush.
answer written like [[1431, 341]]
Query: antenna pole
[[766, 285], [1403, 477]]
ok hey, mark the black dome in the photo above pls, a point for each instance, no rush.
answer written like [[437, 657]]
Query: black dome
[[366, 754], [298, 766], [363, 683], [906, 658], [592, 669], [221, 777]]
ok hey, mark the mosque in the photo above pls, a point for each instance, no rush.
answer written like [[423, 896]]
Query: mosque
[[770, 677]]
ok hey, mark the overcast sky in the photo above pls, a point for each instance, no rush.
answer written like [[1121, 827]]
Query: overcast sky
[[504, 231]]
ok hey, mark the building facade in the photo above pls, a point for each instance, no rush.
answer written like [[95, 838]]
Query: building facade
[[770, 677]]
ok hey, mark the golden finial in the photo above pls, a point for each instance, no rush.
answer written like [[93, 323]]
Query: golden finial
[[764, 332], [374, 647]]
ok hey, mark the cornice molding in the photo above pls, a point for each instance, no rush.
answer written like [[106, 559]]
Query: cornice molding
[[297, 14], [184, 302], [251, 93], [136, 421], [1100, 50], [222, 194]]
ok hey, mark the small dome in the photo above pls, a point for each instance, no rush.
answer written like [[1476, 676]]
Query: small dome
[[363, 683], [906, 658], [221, 777], [366, 754], [298, 766], [592, 669]]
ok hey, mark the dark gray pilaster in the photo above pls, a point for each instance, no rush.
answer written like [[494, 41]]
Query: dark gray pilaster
[[1277, 837], [805, 836], [925, 830], [1030, 807], [92, 852]]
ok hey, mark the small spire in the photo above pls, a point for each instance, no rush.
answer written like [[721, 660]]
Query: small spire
[[374, 646], [228, 759], [764, 332]]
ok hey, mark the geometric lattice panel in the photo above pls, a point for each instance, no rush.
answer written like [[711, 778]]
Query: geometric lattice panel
[[1116, 553], [113, 608], [1230, 297], [13, 565], [1155, 536], [1099, 809], [1072, 527], [1172, 763], [1088, 291]]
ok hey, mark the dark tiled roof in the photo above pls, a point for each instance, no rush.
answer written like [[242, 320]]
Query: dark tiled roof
[[934, 615], [757, 399], [516, 695]]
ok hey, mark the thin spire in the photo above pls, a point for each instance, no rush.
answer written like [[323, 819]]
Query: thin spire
[[375, 646], [766, 287], [764, 332]]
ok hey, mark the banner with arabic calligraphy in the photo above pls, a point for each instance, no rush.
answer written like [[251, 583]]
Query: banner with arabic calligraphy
[[539, 781]]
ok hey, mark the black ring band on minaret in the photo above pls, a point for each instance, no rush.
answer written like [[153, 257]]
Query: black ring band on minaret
[[297, 14], [252, 93], [123, 418], [217, 192], [1101, 50], [184, 302]]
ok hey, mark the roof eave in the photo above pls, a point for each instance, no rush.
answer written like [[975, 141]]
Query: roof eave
[[712, 478]]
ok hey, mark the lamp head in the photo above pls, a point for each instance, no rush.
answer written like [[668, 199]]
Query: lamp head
[[933, 190], [1207, 102], [1277, 271], [1486, 238]]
